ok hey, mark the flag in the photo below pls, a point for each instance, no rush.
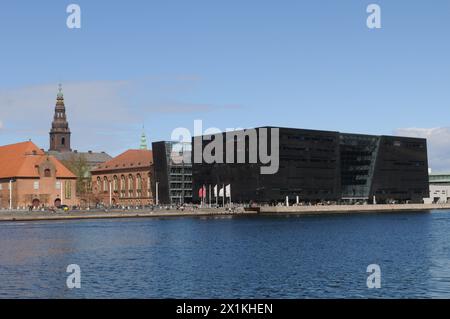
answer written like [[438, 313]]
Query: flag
[[202, 192], [215, 191], [228, 191], [221, 192]]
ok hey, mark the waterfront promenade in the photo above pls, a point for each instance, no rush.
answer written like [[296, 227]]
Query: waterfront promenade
[[115, 213], [218, 212], [346, 209]]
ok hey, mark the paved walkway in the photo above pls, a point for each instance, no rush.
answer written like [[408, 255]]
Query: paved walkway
[[298, 210], [346, 209], [37, 216]]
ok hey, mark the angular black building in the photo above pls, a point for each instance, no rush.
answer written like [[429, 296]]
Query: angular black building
[[317, 166]]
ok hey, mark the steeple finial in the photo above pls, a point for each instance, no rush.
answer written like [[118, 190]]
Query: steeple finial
[[60, 93]]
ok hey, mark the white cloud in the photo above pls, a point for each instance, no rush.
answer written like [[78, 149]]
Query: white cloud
[[438, 145], [177, 107], [103, 115], [93, 108]]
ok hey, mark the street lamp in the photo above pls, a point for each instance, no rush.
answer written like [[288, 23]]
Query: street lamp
[[157, 195], [10, 194], [61, 191], [110, 194]]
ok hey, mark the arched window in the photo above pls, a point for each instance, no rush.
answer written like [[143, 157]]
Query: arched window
[[139, 185], [116, 183], [130, 186], [105, 184], [47, 173], [63, 141], [122, 186], [99, 183]]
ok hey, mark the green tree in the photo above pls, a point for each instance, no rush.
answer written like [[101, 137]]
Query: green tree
[[78, 165]]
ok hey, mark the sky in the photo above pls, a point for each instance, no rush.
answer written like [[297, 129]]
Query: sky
[[163, 64]]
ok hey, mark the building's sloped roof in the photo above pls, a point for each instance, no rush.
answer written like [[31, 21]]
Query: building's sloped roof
[[23, 159], [92, 158], [127, 160]]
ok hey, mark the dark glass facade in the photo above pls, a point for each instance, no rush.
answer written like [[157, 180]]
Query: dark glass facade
[[323, 166], [401, 170], [358, 157], [173, 172]]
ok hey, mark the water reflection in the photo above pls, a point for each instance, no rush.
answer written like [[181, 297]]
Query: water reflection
[[264, 257]]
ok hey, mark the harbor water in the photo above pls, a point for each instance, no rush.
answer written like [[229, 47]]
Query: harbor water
[[283, 256]]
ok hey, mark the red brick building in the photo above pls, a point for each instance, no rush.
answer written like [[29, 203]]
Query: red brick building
[[126, 180], [36, 179]]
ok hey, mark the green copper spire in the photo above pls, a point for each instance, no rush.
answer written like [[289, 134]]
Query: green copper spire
[[143, 141], [60, 93]]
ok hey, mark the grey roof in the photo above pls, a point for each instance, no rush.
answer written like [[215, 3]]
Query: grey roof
[[92, 158]]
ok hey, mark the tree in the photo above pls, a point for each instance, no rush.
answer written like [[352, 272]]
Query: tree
[[78, 165]]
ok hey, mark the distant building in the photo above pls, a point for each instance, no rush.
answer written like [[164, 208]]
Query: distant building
[[80, 163], [439, 188], [60, 139], [60, 131], [126, 180], [37, 179], [173, 172], [318, 166], [93, 159]]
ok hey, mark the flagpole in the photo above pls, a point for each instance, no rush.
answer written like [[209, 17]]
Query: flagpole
[[217, 195], [202, 195], [110, 195], [223, 195], [209, 195]]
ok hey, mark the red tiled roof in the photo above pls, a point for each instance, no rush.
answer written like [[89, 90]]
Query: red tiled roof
[[127, 160], [21, 160]]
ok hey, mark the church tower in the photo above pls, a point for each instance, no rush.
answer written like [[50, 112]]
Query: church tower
[[60, 132]]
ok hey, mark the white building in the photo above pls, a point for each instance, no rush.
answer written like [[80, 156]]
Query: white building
[[439, 189]]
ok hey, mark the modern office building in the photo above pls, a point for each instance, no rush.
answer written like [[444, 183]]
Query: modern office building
[[173, 172], [439, 189], [318, 166]]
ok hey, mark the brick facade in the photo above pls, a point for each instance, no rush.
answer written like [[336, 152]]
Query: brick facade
[[37, 179], [126, 180]]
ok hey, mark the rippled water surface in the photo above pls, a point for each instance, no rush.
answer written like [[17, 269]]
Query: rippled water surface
[[239, 257]]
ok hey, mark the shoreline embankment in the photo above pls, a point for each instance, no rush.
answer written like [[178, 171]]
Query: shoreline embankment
[[352, 209], [25, 216]]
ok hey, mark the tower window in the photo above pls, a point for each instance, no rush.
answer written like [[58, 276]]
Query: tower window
[[63, 141], [47, 173]]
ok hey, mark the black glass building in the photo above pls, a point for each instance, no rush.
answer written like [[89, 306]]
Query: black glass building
[[320, 166], [173, 172]]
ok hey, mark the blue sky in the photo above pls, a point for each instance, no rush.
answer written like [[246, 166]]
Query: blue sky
[[163, 64]]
